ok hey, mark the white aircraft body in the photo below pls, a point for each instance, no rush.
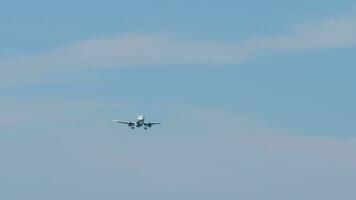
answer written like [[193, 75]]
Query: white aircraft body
[[140, 121]]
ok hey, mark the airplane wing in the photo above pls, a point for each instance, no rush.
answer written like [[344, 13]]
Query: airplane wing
[[149, 124], [123, 122]]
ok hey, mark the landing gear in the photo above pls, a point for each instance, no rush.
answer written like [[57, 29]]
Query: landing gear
[[145, 128], [132, 127]]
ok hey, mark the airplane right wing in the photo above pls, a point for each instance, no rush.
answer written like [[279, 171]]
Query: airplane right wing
[[124, 122]]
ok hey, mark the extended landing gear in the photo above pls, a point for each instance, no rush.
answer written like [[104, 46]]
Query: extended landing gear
[[145, 128], [132, 127]]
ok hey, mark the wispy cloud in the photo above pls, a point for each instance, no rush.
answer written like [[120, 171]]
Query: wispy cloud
[[142, 50], [333, 33]]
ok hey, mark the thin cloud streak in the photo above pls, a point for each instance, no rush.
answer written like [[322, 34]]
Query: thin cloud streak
[[333, 33], [143, 50]]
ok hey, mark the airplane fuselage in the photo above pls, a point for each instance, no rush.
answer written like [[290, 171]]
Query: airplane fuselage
[[140, 121]]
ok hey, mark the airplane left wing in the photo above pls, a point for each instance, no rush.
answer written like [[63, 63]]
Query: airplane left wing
[[149, 124]]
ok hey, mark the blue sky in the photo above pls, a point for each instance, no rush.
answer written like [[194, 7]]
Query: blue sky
[[257, 99]]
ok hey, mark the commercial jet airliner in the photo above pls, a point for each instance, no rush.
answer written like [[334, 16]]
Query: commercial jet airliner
[[140, 121]]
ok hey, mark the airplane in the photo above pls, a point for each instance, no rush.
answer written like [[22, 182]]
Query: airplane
[[140, 121]]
